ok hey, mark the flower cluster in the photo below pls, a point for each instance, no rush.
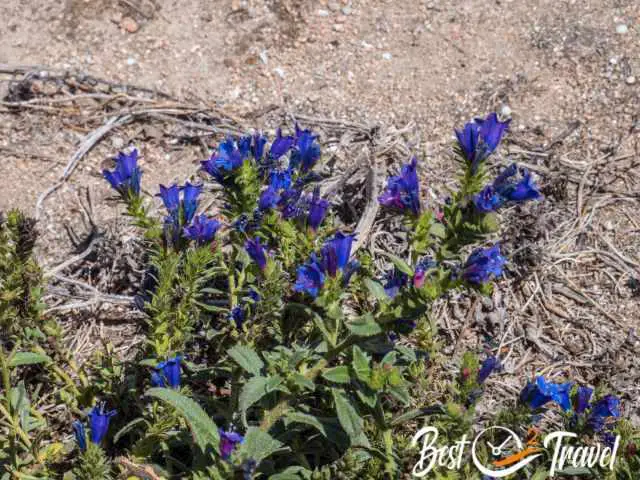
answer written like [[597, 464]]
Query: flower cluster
[[480, 138], [125, 178], [99, 424], [504, 189]]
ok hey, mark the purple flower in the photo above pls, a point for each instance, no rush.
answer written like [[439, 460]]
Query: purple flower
[[202, 230], [170, 197], [483, 264], [490, 365], [539, 393], [395, 281], [310, 277], [306, 151], [317, 209], [403, 192], [280, 179], [228, 442], [583, 396], [336, 253], [421, 271], [99, 422], [290, 204], [479, 139], [125, 178], [256, 252], [257, 146], [227, 158], [167, 373], [80, 434], [190, 195], [280, 145]]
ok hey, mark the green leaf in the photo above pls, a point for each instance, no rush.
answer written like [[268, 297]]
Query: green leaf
[[337, 374], [247, 358], [28, 358], [258, 445], [292, 473], [364, 326], [256, 388], [303, 382], [401, 394], [205, 431], [347, 415], [360, 364], [399, 263], [437, 230], [376, 289], [127, 428], [307, 419]]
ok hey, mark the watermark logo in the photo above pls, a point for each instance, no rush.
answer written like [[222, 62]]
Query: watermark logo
[[511, 454]]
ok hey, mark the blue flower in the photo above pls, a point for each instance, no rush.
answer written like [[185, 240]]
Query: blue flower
[[190, 195], [280, 145], [395, 280], [420, 274], [268, 199], [310, 277], [306, 151], [228, 442], [257, 146], [238, 315], [227, 158], [538, 394], [202, 230], [280, 179], [317, 210], [244, 146], [480, 138], [81, 435], [99, 422], [125, 178], [605, 408], [256, 252], [170, 197], [168, 373], [505, 190], [403, 191], [289, 202], [488, 200], [336, 253], [483, 264], [582, 399], [490, 365]]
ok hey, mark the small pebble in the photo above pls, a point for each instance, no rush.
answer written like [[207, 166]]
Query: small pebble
[[630, 80], [387, 56], [334, 6], [279, 71], [622, 29], [338, 27], [506, 111], [346, 10], [131, 61], [128, 24], [323, 13]]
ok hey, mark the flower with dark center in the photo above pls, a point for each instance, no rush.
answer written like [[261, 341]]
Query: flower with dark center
[[483, 264], [168, 373], [228, 442], [539, 393], [310, 277], [256, 251], [125, 178], [403, 191], [280, 145], [99, 422], [202, 229], [306, 150]]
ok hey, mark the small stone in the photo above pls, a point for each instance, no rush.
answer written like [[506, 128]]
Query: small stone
[[347, 10], [387, 56], [333, 6], [506, 111], [622, 29], [264, 58], [128, 24], [131, 61], [323, 13], [338, 27], [630, 80], [279, 71], [613, 60], [206, 17], [608, 225], [117, 142]]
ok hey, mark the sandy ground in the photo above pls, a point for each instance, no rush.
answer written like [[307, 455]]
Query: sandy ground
[[568, 71]]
